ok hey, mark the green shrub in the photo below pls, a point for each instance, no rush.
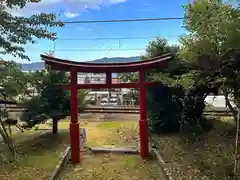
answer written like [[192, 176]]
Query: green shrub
[[164, 108], [174, 109]]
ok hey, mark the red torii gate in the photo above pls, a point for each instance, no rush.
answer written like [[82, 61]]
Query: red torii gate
[[108, 68]]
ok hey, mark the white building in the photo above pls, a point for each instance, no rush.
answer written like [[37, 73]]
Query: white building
[[218, 101], [92, 78]]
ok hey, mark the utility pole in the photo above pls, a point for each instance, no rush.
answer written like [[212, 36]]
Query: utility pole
[[54, 46]]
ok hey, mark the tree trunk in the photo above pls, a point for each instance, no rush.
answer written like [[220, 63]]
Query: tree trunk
[[236, 162], [234, 112], [55, 126], [7, 139]]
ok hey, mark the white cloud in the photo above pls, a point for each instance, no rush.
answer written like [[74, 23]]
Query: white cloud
[[71, 14], [66, 6]]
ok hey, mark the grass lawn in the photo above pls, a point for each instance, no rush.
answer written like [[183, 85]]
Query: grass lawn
[[210, 158], [116, 133], [38, 152], [107, 166]]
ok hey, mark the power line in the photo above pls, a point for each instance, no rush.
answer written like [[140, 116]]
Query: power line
[[111, 38], [80, 50], [111, 49], [123, 20], [114, 38]]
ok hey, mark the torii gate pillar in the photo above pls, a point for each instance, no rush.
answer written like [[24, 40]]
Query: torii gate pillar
[[143, 124], [74, 123]]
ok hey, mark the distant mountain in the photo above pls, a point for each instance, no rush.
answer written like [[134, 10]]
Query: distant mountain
[[32, 66], [116, 59], [40, 65]]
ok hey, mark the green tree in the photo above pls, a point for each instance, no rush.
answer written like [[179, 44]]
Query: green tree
[[170, 75], [176, 66], [12, 88], [16, 31], [178, 103], [211, 45], [212, 49], [51, 101], [13, 81], [168, 96]]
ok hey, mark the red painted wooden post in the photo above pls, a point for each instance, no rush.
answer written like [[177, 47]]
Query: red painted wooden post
[[108, 79], [143, 124], [74, 125]]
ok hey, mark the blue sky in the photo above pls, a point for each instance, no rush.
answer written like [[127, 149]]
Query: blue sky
[[74, 10]]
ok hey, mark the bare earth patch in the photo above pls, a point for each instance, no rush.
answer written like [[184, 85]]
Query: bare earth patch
[[209, 158]]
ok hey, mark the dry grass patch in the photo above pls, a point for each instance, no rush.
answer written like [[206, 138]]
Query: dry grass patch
[[112, 167], [209, 158]]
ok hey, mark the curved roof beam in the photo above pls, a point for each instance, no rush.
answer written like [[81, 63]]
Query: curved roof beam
[[66, 65]]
